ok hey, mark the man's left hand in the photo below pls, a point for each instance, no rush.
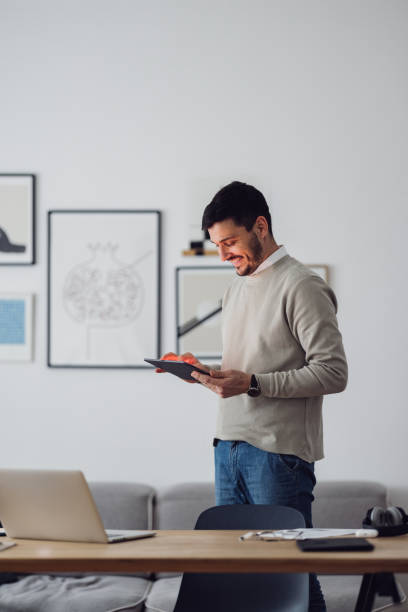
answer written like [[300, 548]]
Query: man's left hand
[[226, 383]]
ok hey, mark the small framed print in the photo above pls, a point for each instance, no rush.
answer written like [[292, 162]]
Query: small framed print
[[16, 321], [199, 293], [17, 219], [103, 288], [320, 269]]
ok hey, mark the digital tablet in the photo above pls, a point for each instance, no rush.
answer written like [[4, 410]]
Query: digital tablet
[[178, 368], [330, 544]]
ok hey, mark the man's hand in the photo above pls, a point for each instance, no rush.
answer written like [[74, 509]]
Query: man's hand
[[226, 383], [187, 357]]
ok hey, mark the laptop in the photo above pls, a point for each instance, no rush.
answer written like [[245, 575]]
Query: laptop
[[54, 505]]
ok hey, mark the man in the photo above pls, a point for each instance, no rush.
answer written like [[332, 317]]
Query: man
[[282, 351]]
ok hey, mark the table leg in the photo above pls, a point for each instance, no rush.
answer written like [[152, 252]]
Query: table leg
[[366, 594], [372, 584]]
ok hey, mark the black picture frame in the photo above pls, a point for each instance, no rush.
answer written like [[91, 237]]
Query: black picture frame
[[17, 228], [137, 284]]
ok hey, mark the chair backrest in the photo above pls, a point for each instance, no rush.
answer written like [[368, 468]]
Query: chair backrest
[[244, 592], [250, 517]]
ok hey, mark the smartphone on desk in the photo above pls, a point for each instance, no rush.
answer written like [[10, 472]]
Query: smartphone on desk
[[334, 544]]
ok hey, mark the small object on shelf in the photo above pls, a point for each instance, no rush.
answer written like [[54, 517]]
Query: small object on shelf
[[197, 246], [200, 243]]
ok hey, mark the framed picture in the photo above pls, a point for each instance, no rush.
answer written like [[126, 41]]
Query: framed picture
[[199, 292], [103, 288], [17, 219], [16, 322], [320, 269]]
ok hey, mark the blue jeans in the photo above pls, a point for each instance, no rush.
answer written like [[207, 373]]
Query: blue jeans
[[245, 474]]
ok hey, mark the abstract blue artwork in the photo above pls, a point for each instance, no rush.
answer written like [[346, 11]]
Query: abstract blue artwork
[[12, 321], [16, 326]]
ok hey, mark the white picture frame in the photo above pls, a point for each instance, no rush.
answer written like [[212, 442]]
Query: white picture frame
[[321, 269], [16, 327], [104, 269], [199, 293], [17, 219]]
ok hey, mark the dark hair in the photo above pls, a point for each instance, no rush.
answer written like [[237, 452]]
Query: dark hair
[[237, 201]]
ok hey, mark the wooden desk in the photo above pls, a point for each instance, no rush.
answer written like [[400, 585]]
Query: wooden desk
[[200, 551]]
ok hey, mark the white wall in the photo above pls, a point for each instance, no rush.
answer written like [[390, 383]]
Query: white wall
[[156, 104]]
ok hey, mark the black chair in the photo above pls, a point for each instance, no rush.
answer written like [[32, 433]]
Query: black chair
[[245, 592]]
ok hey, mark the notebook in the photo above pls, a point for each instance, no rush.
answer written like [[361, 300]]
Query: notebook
[[54, 505]]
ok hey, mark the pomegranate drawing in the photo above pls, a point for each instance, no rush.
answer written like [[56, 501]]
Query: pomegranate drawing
[[104, 292]]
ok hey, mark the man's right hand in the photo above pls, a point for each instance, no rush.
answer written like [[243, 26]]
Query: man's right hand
[[188, 358]]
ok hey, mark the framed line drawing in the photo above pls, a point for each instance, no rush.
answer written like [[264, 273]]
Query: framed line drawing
[[16, 323], [104, 276], [17, 219], [199, 293]]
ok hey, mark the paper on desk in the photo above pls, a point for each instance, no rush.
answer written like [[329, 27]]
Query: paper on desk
[[4, 545], [311, 533]]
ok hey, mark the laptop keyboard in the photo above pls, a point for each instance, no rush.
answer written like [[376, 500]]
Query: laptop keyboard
[[117, 535]]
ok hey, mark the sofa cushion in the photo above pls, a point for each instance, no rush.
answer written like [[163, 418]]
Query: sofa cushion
[[344, 504], [163, 595], [179, 506], [339, 503], [41, 593], [124, 505]]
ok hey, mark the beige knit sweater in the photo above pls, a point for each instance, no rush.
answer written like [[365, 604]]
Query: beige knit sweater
[[281, 325]]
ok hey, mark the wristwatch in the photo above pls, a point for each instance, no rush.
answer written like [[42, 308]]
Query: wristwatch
[[254, 388]]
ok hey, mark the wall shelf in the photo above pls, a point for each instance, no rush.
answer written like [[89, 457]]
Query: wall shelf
[[191, 252]]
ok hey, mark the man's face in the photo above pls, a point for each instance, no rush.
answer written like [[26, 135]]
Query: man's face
[[235, 244]]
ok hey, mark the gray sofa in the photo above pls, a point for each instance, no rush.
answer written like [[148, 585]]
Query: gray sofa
[[137, 506]]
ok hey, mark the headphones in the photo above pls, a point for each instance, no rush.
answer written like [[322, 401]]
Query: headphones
[[388, 522]]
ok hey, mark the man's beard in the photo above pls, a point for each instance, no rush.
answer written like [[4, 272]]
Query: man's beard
[[255, 249]]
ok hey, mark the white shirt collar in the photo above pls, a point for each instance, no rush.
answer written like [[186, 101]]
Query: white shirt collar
[[269, 261]]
